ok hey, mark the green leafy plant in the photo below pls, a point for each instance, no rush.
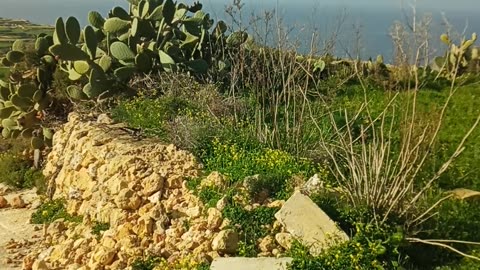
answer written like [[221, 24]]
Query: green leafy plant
[[99, 227], [251, 225], [50, 211], [18, 172]]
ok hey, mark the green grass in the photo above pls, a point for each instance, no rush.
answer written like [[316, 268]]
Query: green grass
[[51, 211]]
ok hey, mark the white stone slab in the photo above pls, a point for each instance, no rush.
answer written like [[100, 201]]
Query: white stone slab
[[309, 224], [238, 263]]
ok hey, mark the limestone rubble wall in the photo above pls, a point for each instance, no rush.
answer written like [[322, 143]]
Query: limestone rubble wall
[[106, 174], [138, 187]]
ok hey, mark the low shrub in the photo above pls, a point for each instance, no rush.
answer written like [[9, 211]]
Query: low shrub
[[50, 211], [99, 227], [18, 172]]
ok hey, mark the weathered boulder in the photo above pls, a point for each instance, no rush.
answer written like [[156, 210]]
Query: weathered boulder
[[309, 224]]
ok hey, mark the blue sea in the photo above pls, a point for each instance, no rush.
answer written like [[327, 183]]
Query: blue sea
[[363, 26]]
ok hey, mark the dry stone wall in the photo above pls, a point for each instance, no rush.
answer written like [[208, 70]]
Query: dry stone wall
[[136, 186]]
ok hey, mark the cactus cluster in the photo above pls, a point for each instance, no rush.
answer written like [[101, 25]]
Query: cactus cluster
[[23, 96], [152, 36], [458, 60]]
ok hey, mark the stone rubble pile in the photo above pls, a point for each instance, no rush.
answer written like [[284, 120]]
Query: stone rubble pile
[[137, 187]]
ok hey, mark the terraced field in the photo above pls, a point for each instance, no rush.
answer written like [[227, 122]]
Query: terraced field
[[11, 30]]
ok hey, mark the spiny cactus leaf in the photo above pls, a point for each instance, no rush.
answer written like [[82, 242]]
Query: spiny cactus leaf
[[116, 25], [68, 52], [197, 66], [319, 65], [38, 96], [120, 13], [143, 62], [72, 29], [47, 133], [26, 90], [14, 133], [49, 59], [6, 133], [4, 83], [91, 41], [124, 73], [41, 45], [143, 8], [168, 63], [73, 75], [157, 14], [98, 83], [27, 133], [4, 62], [6, 112], [220, 29], [90, 92], [190, 41], [135, 27], [179, 14], [76, 92], [59, 35], [126, 36], [121, 51], [105, 62], [4, 93], [9, 123], [37, 143], [168, 11], [100, 35], [21, 103], [96, 19], [15, 56], [81, 67], [18, 45]]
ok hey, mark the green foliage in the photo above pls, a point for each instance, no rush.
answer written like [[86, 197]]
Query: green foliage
[[24, 95], [251, 225], [238, 161], [151, 115], [372, 247], [152, 36], [50, 211], [147, 263], [99, 227], [458, 60], [18, 172]]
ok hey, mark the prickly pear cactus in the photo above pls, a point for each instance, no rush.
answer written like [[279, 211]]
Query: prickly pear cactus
[[23, 95], [459, 59]]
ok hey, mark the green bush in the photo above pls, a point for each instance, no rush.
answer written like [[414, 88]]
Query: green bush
[[18, 172], [251, 226], [372, 247], [99, 227], [50, 211]]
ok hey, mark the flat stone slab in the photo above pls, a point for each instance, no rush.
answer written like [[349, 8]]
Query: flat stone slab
[[239, 263], [305, 221]]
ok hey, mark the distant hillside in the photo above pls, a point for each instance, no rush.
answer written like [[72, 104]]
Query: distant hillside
[[13, 29]]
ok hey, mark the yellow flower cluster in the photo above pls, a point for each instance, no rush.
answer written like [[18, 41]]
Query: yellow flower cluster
[[275, 159]]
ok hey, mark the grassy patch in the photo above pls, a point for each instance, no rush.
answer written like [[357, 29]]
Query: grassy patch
[[18, 172], [99, 227], [51, 211]]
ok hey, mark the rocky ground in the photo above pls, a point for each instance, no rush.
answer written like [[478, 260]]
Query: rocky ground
[[138, 189], [17, 236]]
